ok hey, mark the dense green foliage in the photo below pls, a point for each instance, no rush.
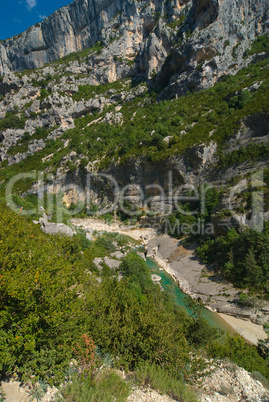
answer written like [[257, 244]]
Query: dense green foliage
[[251, 153], [237, 350], [49, 299], [135, 268], [218, 110], [193, 212], [42, 313], [243, 258]]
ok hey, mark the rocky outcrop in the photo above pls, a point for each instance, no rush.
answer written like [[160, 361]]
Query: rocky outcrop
[[54, 228], [230, 383], [70, 29]]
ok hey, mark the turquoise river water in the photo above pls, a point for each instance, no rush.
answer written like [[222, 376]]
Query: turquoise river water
[[181, 298]]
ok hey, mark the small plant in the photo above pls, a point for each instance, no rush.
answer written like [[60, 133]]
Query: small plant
[[177, 23], [86, 354], [107, 386], [38, 391], [12, 120], [259, 45], [2, 395], [259, 377]]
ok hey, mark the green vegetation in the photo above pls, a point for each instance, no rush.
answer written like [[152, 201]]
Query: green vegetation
[[42, 82], [42, 278], [53, 295], [261, 44], [93, 380], [12, 120], [106, 388], [46, 281], [210, 115], [238, 351], [22, 144], [192, 212], [153, 376], [88, 91], [177, 23], [251, 153], [240, 257], [240, 100], [79, 56], [135, 268]]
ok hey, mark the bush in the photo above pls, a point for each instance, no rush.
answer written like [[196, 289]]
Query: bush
[[259, 45], [240, 100], [236, 349], [11, 120], [135, 268], [106, 386], [259, 377], [150, 375]]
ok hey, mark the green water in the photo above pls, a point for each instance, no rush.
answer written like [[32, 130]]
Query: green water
[[181, 299]]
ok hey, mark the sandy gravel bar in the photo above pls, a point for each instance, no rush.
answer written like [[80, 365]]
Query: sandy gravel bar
[[250, 331]]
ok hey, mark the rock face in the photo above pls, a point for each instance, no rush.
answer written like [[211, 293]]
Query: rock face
[[219, 33], [182, 44], [76, 27], [71, 28]]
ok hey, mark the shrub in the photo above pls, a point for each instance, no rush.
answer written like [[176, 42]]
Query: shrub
[[236, 349], [106, 386], [135, 268], [11, 120], [157, 378], [240, 100], [241, 257], [259, 45], [259, 377]]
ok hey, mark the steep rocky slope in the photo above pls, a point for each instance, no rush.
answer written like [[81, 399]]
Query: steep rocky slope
[[55, 119], [91, 112], [188, 44]]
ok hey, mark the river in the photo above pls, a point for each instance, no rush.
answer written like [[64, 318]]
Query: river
[[181, 299]]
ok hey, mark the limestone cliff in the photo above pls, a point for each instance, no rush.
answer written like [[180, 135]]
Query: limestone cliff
[[178, 44]]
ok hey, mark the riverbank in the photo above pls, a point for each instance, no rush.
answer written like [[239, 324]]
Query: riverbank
[[199, 282]]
